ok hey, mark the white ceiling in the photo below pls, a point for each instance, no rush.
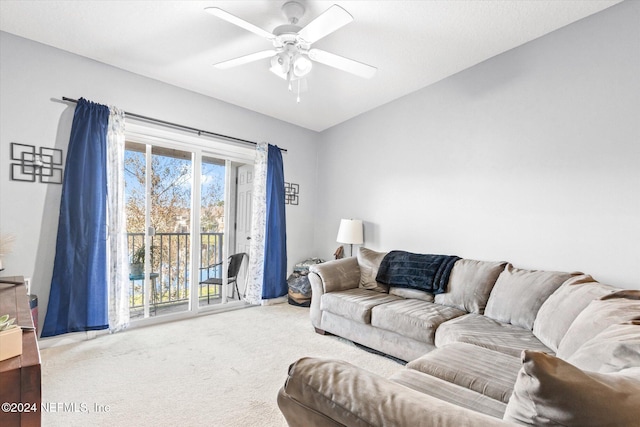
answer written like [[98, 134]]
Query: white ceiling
[[413, 44]]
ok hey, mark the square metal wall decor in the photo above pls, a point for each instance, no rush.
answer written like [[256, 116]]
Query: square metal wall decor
[[291, 193], [35, 165]]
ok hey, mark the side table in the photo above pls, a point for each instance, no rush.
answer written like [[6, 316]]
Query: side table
[[20, 376]]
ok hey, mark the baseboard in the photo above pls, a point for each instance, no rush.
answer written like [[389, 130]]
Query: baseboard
[[76, 337], [69, 338], [272, 301]]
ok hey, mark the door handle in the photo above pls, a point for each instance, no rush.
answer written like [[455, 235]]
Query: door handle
[[248, 238]]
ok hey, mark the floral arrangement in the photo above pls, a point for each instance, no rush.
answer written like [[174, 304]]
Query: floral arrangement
[[6, 323], [6, 243]]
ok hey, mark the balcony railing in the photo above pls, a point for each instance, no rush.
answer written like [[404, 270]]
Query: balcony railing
[[170, 262]]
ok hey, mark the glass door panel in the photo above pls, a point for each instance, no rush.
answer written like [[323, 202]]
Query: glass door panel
[[170, 223], [212, 226], [158, 207], [135, 208]]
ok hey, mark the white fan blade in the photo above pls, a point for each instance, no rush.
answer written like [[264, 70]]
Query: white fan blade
[[245, 59], [329, 21], [216, 11], [342, 63]]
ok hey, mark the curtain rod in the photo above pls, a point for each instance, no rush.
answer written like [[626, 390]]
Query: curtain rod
[[182, 127]]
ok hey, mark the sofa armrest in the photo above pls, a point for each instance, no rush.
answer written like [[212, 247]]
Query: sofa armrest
[[336, 275], [331, 276], [325, 392]]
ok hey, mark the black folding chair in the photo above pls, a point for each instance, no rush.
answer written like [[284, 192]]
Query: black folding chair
[[235, 262]]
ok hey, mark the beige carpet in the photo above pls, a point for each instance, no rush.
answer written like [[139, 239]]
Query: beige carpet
[[219, 370]]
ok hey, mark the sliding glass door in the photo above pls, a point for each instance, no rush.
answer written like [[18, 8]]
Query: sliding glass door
[[181, 208]]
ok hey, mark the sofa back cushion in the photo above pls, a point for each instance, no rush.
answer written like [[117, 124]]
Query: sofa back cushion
[[518, 294], [617, 307], [563, 306], [552, 392], [369, 262], [470, 284], [614, 349]]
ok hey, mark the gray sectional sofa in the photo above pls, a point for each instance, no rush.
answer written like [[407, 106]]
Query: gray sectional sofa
[[502, 346]]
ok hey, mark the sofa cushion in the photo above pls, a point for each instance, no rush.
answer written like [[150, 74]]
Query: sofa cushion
[[412, 318], [484, 371], [411, 293], [470, 285], [449, 392], [563, 306], [388, 342], [369, 262], [552, 392], [488, 333], [518, 294], [616, 307], [354, 304], [614, 349]]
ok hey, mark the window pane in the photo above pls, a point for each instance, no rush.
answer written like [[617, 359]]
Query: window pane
[[212, 228], [170, 202]]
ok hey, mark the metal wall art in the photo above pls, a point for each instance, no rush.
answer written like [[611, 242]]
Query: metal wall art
[[36, 165], [291, 193]]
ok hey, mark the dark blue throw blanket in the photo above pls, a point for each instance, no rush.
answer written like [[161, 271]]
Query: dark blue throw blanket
[[428, 273]]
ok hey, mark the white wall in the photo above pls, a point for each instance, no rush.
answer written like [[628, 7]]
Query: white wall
[[32, 75], [531, 157]]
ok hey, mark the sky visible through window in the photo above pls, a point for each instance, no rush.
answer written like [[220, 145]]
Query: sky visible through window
[[171, 192]]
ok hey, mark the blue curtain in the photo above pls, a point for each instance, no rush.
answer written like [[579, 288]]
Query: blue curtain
[[78, 298], [275, 247]]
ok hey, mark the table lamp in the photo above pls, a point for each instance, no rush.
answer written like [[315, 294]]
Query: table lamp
[[350, 232]]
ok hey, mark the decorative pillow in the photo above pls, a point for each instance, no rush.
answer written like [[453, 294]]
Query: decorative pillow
[[369, 262], [614, 349], [551, 392], [613, 308], [518, 294], [411, 293], [470, 284], [563, 306]]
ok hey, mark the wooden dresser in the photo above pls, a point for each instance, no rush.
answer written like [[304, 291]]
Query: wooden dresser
[[20, 375]]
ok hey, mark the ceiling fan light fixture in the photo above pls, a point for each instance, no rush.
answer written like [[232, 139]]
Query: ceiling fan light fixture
[[280, 64], [301, 65], [292, 55]]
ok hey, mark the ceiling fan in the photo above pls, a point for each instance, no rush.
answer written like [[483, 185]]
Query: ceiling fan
[[292, 55]]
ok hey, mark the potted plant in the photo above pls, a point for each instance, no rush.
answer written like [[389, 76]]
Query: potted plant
[[136, 266]]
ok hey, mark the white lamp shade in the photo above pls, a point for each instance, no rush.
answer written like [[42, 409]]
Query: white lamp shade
[[350, 231], [301, 66]]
